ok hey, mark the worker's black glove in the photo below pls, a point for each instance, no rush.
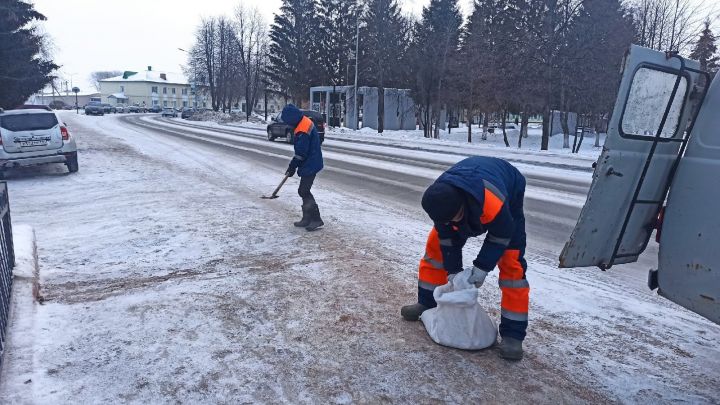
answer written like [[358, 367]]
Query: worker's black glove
[[290, 171]]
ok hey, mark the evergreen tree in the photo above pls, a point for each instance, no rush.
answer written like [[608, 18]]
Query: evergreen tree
[[434, 47], [384, 39], [337, 27], [294, 49], [23, 68], [705, 50], [600, 37]]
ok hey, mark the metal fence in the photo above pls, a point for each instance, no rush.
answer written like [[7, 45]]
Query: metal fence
[[7, 262]]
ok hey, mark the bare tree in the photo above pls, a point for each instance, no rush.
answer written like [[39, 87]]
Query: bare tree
[[203, 58], [95, 77], [668, 25], [253, 43]]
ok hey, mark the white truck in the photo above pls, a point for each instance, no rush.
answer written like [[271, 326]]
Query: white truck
[[659, 169]]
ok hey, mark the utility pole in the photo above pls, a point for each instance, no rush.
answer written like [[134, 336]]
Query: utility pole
[[357, 56]]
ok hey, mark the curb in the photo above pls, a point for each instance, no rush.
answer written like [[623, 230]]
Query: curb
[[17, 363]]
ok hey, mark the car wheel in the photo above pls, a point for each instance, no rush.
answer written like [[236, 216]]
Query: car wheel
[[72, 163], [288, 137], [270, 136]]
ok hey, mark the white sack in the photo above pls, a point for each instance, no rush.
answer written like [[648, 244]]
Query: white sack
[[458, 320]]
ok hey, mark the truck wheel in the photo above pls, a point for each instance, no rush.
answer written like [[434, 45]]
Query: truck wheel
[[288, 137], [72, 163], [270, 137]]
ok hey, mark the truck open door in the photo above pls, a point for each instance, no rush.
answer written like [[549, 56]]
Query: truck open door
[[647, 133]]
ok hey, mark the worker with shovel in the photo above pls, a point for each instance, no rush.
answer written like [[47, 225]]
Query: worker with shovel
[[308, 161], [478, 195]]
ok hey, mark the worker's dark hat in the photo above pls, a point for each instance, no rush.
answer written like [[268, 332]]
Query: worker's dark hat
[[442, 202]]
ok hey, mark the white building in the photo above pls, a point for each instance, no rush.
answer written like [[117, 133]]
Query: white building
[[67, 98], [149, 88]]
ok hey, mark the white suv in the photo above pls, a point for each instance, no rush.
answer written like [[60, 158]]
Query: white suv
[[169, 112], [34, 137]]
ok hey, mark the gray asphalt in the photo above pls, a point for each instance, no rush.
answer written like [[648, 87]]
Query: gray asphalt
[[549, 224]]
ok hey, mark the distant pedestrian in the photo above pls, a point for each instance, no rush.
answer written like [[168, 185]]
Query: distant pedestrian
[[308, 161]]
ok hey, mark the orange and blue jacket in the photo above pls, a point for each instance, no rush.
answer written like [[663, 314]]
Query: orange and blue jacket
[[493, 190], [308, 158]]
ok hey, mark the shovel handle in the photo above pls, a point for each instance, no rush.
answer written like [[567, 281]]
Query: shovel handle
[[279, 186]]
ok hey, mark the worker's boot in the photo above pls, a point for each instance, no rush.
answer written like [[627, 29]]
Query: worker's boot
[[510, 349], [412, 312], [315, 221], [305, 221]]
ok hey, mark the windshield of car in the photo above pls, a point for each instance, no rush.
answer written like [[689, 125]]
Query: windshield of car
[[28, 122]]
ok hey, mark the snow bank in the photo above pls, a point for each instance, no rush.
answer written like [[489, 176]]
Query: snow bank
[[17, 363], [25, 255]]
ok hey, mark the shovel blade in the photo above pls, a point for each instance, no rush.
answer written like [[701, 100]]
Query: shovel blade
[[270, 197]]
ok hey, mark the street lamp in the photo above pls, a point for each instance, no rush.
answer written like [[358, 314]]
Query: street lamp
[[76, 90]]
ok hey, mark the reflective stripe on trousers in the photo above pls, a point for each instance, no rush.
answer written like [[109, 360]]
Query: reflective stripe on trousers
[[515, 288], [431, 272]]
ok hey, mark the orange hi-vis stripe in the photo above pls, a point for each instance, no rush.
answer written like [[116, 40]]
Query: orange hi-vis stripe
[[305, 125], [431, 269], [515, 288], [491, 207]]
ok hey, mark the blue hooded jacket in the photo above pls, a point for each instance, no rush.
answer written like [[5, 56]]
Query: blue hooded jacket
[[308, 158], [502, 217]]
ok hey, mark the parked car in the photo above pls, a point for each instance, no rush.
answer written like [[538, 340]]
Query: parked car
[[34, 107], [57, 105], [34, 137], [169, 112], [109, 109], [134, 109], [187, 112], [120, 108], [278, 129], [154, 109], [94, 108]]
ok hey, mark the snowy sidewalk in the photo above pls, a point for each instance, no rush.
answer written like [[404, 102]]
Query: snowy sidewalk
[[17, 364], [166, 279]]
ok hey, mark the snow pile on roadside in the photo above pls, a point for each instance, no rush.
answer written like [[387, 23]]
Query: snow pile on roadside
[[233, 118], [17, 357], [24, 243], [494, 140], [211, 115]]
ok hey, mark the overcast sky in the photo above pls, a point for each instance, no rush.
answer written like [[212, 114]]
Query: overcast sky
[[91, 35]]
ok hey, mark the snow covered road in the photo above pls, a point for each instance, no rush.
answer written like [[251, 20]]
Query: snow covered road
[[166, 279]]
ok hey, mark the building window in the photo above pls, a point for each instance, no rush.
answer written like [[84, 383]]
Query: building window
[[184, 103], [173, 90], [122, 89], [164, 103], [155, 102], [164, 90], [154, 89], [184, 92], [174, 103]]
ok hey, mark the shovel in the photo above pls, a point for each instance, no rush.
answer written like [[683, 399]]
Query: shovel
[[274, 194]]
